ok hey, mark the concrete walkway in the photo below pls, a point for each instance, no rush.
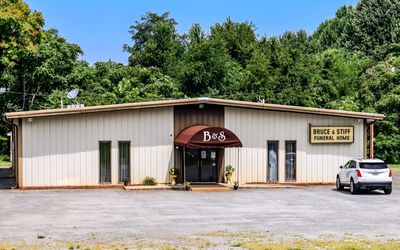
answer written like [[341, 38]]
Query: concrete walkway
[[208, 187]]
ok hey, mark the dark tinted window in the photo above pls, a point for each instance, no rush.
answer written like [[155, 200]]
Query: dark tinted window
[[373, 165], [105, 161], [124, 161], [290, 161]]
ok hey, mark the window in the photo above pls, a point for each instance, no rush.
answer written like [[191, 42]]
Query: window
[[347, 165], [105, 161], [290, 161], [272, 165], [352, 164], [124, 160], [373, 165]]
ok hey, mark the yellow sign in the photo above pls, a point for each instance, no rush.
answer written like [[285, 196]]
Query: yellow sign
[[331, 134]]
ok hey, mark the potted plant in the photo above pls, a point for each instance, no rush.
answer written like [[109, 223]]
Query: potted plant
[[173, 175], [228, 173], [186, 186], [235, 185], [126, 182]]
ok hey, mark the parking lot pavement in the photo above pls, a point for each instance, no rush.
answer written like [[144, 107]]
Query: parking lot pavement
[[117, 214]]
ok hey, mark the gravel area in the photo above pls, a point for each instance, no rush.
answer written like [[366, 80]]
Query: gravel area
[[120, 215]]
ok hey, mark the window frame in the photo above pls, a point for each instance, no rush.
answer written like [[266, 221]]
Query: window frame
[[119, 160], [295, 147], [277, 158], [110, 162]]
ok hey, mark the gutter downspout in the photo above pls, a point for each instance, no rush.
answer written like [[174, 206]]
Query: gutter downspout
[[14, 142]]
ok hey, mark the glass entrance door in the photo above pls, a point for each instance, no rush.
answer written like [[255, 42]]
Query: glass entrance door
[[201, 165], [192, 165]]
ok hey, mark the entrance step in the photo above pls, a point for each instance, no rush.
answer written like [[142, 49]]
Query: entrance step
[[209, 188]]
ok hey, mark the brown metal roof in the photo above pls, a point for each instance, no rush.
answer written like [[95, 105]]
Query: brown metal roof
[[201, 136], [188, 101]]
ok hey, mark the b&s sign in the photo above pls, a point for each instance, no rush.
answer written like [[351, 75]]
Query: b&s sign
[[329, 134], [208, 136]]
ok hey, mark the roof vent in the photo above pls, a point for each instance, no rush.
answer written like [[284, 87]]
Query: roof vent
[[203, 99], [72, 106]]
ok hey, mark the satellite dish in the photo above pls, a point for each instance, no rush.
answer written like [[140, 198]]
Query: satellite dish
[[73, 93]]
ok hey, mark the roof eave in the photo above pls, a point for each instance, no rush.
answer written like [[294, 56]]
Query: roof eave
[[188, 101]]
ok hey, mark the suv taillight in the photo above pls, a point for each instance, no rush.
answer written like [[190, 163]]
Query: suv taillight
[[359, 173], [390, 173]]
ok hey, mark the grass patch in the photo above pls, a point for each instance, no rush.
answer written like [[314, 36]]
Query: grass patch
[[149, 181], [5, 160], [221, 240], [395, 168], [320, 244]]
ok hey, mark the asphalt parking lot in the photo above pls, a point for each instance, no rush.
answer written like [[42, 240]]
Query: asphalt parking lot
[[118, 214]]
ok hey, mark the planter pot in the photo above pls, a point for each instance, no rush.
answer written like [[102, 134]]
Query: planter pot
[[228, 178], [187, 188], [236, 187], [173, 179]]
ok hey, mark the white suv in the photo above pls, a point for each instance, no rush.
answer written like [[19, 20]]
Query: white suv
[[368, 174]]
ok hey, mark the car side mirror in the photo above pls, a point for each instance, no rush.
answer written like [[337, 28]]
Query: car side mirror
[[341, 167]]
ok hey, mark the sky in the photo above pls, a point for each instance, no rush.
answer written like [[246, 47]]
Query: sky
[[101, 27]]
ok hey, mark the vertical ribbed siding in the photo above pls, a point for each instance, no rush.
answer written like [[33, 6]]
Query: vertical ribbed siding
[[315, 163], [63, 151]]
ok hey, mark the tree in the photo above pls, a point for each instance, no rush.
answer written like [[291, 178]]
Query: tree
[[204, 65], [42, 70], [329, 33], [239, 39], [156, 42], [20, 31], [388, 132], [373, 27]]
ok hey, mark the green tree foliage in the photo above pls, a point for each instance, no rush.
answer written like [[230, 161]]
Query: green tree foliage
[[42, 70], [350, 62], [239, 39], [374, 25], [20, 31], [155, 42], [388, 137], [204, 64], [329, 33]]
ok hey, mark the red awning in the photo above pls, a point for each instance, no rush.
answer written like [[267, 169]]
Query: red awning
[[201, 136]]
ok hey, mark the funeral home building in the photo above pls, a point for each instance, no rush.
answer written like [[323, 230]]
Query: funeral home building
[[199, 137]]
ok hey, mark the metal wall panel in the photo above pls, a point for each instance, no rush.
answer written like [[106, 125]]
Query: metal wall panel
[[315, 162], [64, 150]]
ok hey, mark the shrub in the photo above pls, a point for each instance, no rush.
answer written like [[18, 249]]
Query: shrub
[[229, 169], [149, 181], [126, 182], [186, 185]]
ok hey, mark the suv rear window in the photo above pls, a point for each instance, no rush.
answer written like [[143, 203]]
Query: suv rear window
[[373, 165]]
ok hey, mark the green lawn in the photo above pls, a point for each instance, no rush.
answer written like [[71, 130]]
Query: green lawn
[[395, 168], [5, 160]]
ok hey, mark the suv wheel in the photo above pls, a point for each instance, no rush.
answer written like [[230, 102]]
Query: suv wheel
[[339, 185], [353, 188], [388, 190]]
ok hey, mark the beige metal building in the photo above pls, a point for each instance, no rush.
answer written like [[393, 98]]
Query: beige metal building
[[104, 145]]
